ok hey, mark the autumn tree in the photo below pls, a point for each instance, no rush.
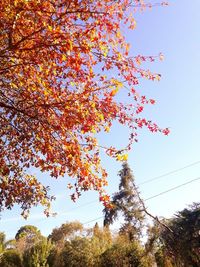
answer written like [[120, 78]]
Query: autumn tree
[[61, 64], [126, 203]]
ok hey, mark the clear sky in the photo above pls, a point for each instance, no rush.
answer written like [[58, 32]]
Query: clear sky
[[174, 31]]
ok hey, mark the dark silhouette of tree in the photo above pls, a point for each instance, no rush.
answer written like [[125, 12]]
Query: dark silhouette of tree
[[183, 244], [179, 247]]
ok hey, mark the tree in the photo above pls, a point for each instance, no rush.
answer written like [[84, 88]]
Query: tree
[[26, 237], [183, 243], [38, 254], [75, 249], [10, 258], [80, 251], [101, 239], [61, 64], [126, 203], [66, 231], [102, 233], [155, 248], [124, 255], [2, 241]]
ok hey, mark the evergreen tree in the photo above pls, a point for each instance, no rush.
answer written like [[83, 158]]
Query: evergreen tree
[[125, 254], [2, 241], [37, 255], [126, 203], [10, 258], [183, 243]]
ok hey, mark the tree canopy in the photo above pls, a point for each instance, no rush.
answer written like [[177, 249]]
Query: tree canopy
[[183, 243], [61, 65], [103, 248], [66, 231]]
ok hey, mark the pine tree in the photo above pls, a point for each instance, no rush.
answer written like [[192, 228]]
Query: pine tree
[[126, 203]]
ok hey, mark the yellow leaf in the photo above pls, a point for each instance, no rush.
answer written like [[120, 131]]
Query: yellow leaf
[[64, 57], [93, 130], [122, 157], [107, 129], [93, 105]]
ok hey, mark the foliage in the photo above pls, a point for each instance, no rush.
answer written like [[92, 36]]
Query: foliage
[[66, 231], [102, 234], [124, 255], [101, 240], [61, 64], [2, 241], [82, 251], [102, 248], [162, 259], [179, 247], [26, 237], [10, 258], [37, 255], [79, 252], [126, 203], [183, 244], [29, 232]]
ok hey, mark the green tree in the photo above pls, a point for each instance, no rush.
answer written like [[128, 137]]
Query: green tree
[[126, 203], [26, 237], [183, 243], [156, 248], [10, 258], [2, 241], [80, 252], [66, 231], [60, 236], [162, 259], [37, 255], [125, 254], [30, 232], [103, 235]]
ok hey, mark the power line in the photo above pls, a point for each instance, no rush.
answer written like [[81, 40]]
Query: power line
[[93, 220], [145, 182], [172, 188], [154, 196], [169, 173]]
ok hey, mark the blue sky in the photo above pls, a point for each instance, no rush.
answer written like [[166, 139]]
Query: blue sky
[[174, 31]]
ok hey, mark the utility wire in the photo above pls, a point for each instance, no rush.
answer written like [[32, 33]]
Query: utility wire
[[97, 219], [172, 188], [145, 182], [169, 173], [154, 196]]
